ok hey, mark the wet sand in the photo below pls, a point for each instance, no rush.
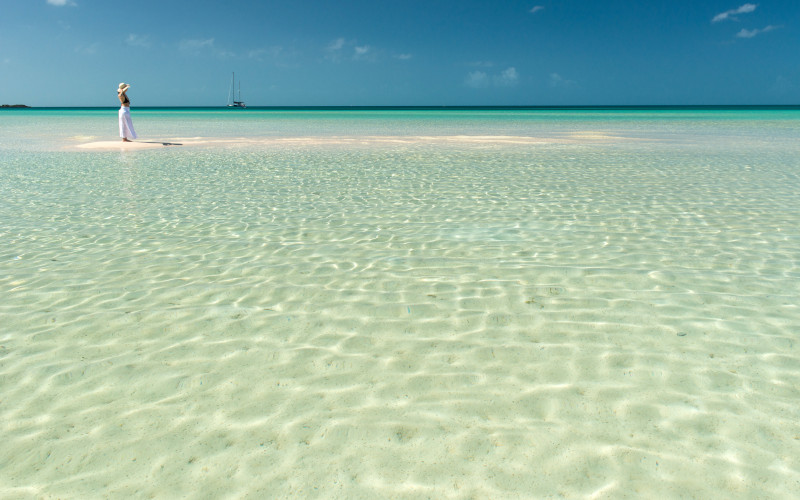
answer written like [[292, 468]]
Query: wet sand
[[586, 137]]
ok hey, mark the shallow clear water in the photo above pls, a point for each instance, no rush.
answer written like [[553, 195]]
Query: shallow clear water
[[609, 312]]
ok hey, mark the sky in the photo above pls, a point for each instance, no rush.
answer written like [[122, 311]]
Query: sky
[[401, 52]]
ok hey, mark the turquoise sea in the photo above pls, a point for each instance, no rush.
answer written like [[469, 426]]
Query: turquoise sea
[[400, 303]]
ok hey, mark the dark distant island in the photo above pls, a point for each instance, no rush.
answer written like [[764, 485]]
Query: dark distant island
[[14, 106]]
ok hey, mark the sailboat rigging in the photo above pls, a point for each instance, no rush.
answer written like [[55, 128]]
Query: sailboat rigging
[[232, 101]]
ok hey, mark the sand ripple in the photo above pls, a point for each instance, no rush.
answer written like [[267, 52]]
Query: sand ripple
[[401, 320]]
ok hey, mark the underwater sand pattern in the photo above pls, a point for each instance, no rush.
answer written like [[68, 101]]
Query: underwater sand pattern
[[402, 320]]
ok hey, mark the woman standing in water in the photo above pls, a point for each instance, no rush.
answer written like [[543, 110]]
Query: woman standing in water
[[126, 130]]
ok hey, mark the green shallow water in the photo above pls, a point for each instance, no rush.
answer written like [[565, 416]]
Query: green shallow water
[[612, 318]]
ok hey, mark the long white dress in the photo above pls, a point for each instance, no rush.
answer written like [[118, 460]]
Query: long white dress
[[126, 130]]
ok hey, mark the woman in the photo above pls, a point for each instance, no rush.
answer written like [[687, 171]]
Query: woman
[[125, 123]]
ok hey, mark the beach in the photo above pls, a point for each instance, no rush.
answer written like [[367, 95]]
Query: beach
[[489, 303]]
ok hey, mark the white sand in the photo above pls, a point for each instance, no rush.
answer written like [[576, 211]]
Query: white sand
[[570, 138], [136, 145]]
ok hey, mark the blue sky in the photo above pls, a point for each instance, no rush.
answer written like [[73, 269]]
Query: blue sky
[[404, 52]]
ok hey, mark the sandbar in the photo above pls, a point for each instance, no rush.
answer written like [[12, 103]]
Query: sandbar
[[570, 138], [132, 145]]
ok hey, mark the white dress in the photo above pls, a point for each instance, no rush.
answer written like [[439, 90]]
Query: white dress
[[126, 130]]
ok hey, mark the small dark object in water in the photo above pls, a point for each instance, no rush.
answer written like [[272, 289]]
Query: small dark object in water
[[681, 334], [164, 143]]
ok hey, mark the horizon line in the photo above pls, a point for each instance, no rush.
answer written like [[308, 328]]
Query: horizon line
[[422, 107]]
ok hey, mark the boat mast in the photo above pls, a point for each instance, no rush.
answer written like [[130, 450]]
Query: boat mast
[[233, 81], [233, 102]]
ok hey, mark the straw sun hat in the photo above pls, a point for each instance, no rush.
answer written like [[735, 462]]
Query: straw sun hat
[[124, 86]]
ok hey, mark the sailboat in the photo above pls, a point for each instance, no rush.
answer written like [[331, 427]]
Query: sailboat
[[232, 102]]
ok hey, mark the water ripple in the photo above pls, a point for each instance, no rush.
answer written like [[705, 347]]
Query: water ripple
[[401, 320]]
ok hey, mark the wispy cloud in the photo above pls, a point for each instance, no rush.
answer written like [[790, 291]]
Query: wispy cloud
[[360, 52], [558, 81], [195, 45], [536, 9], [477, 80], [61, 3], [342, 49], [135, 40], [403, 57], [280, 55], [508, 78], [481, 80], [336, 45], [335, 50], [751, 33], [729, 14]]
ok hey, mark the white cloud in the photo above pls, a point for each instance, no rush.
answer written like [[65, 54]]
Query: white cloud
[[403, 57], [334, 49], [507, 78], [536, 9], [558, 81], [481, 80], [477, 80], [135, 40], [746, 33], [196, 47], [751, 33], [61, 3], [744, 9], [192, 45], [336, 45], [341, 48], [259, 54], [364, 53]]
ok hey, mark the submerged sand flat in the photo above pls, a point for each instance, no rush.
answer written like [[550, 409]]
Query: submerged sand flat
[[130, 146], [585, 137], [464, 316]]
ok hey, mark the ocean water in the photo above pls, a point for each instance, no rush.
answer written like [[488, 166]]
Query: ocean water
[[401, 303]]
